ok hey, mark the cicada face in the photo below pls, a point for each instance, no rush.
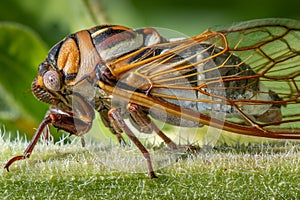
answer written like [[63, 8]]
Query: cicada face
[[242, 79]]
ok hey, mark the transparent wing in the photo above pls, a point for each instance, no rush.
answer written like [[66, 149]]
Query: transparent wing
[[248, 73], [271, 48]]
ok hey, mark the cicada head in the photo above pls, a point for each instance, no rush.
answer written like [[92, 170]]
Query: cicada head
[[48, 85], [69, 63]]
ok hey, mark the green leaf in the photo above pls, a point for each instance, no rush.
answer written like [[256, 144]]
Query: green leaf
[[21, 51]]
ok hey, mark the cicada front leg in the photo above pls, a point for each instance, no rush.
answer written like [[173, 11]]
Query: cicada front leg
[[33, 142], [78, 122], [61, 121]]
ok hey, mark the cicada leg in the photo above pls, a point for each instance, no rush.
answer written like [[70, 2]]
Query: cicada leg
[[143, 122], [32, 144], [118, 123], [59, 119], [114, 130], [82, 140], [47, 134]]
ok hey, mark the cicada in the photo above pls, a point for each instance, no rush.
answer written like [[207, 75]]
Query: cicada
[[244, 79]]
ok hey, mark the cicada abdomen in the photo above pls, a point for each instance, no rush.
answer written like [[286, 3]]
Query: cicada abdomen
[[243, 79]]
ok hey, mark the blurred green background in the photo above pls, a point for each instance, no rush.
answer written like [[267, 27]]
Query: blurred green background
[[29, 28]]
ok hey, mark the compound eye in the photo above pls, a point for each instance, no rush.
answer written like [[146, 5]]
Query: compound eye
[[51, 80]]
